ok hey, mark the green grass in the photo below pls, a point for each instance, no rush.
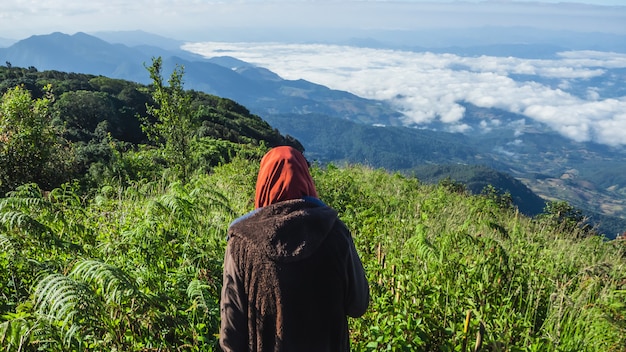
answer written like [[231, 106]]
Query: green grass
[[138, 268]]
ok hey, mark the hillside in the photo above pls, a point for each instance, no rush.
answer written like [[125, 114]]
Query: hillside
[[547, 165], [329, 140], [139, 267], [478, 178], [101, 121], [258, 89]]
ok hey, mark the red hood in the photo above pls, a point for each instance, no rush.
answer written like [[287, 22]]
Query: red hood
[[283, 175]]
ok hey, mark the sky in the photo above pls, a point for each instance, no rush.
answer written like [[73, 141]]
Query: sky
[[196, 20]]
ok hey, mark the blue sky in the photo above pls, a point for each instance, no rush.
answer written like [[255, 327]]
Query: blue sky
[[197, 19]]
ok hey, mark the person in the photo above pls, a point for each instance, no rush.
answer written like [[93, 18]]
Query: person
[[291, 271]]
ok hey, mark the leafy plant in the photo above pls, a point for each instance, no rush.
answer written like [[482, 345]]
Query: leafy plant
[[30, 147]]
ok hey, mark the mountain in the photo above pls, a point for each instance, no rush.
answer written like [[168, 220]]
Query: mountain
[[79, 53], [545, 165], [525, 41], [139, 39], [260, 90], [477, 178]]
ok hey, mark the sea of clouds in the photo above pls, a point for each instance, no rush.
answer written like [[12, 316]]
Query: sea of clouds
[[427, 87]]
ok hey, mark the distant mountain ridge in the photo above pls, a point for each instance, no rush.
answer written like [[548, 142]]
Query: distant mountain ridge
[[518, 41], [256, 88], [139, 38], [550, 165], [79, 53]]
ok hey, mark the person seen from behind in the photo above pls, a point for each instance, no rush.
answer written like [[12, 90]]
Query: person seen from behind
[[291, 271]]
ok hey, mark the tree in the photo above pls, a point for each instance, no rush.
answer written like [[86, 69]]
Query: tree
[[173, 124], [568, 219], [30, 147], [83, 110]]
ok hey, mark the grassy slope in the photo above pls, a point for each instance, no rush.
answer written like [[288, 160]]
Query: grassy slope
[[139, 268]]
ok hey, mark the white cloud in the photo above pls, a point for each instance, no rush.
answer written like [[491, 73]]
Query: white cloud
[[427, 86]]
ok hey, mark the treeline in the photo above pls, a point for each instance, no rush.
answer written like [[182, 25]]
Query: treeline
[[397, 149], [93, 128], [477, 178]]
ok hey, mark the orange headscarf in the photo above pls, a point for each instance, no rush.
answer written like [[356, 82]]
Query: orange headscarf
[[283, 175]]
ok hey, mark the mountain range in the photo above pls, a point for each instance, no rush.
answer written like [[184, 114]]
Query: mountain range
[[340, 127]]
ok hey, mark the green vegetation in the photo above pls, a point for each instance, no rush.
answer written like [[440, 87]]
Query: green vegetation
[[128, 256], [97, 127], [139, 267], [476, 178], [172, 125], [344, 141], [30, 149], [595, 175]]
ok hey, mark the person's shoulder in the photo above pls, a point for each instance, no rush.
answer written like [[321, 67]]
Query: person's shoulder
[[241, 219], [314, 200]]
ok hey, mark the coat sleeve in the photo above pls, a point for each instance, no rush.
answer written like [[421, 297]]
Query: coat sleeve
[[358, 288], [233, 308]]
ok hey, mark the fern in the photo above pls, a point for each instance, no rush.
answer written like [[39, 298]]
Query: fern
[[66, 302], [195, 292], [29, 192], [212, 199], [112, 282], [6, 246], [26, 211], [14, 333], [18, 220], [25, 199]]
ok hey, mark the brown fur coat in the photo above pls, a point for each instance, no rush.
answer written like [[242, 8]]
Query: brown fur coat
[[291, 278]]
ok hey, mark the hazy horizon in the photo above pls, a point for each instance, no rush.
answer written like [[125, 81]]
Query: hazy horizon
[[190, 20]]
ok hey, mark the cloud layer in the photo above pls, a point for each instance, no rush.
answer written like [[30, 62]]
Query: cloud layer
[[427, 86]]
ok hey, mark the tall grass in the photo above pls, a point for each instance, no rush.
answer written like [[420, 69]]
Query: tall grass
[[436, 256], [138, 267]]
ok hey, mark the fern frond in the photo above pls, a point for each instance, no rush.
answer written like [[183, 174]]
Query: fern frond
[[31, 227], [14, 219], [14, 334], [66, 302], [29, 190], [25, 197], [421, 247], [195, 292], [6, 245], [61, 298], [176, 204], [66, 195], [212, 199], [112, 281]]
